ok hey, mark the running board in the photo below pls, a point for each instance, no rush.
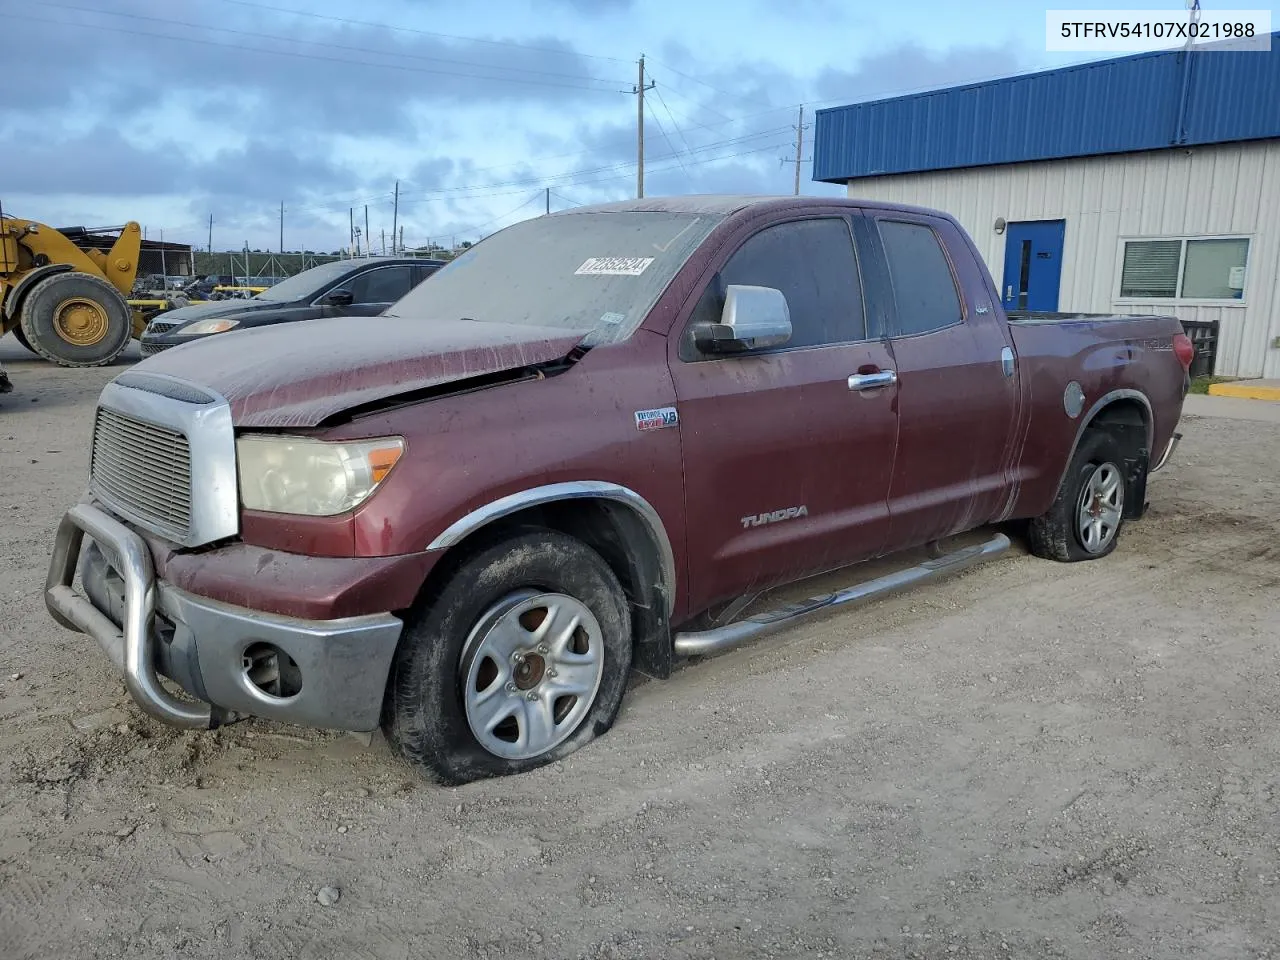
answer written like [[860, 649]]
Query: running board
[[720, 639]]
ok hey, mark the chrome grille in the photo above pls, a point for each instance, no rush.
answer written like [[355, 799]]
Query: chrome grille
[[161, 326], [144, 470]]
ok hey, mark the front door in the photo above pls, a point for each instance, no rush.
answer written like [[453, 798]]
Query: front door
[[1033, 265], [375, 290], [788, 451]]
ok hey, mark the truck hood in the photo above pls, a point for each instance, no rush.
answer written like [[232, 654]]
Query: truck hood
[[300, 374]]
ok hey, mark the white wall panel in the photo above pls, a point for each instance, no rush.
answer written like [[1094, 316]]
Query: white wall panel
[[1220, 189]]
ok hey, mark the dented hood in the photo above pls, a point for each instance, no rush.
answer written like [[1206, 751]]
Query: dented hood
[[300, 374]]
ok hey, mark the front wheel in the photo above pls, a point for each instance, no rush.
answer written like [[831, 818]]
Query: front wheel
[[1085, 520], [76, 320], [521, 659]]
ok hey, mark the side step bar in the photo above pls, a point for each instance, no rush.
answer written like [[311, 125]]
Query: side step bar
[[720, 639]]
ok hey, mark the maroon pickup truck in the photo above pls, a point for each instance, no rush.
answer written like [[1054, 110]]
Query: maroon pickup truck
[[581, 448]]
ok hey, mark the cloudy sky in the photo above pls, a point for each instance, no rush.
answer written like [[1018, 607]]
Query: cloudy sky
[[169, 111]]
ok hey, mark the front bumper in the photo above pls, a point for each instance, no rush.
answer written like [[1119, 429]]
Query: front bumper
[[337, 669]]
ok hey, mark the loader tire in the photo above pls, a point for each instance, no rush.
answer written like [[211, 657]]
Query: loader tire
[[76, 320], [21, 337]]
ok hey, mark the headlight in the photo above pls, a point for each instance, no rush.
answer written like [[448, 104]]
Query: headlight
[[312, 477], [201, 327]]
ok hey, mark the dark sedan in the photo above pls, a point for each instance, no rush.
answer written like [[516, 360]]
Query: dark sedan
[[362, 287]]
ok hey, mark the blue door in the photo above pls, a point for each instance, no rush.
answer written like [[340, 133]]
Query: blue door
[[1033, 264]]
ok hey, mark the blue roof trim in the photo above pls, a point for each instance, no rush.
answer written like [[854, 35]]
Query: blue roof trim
[[1109, 106]]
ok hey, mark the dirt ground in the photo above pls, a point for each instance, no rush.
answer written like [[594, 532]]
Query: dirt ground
[[1029, 761]]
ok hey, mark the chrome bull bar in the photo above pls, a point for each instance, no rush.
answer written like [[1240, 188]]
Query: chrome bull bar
[[130, 648]]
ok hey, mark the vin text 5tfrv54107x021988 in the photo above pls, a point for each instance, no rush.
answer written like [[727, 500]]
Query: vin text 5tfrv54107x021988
[[580, 449]]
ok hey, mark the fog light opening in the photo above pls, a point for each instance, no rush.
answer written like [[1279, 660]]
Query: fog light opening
[[271, 671]]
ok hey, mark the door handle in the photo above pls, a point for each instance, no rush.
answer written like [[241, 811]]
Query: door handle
[[1008, 292], [870, 381]]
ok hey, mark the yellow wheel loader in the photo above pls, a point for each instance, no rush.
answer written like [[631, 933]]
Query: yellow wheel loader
[[66, 303]]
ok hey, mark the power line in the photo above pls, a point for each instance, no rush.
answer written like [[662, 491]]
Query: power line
[[424, 33], [581, 183], [502, 216], [303, 56], [663, 130], [544, 181], [663, 100], [667, 169], [723, 93], [699, 105], [321, 43]]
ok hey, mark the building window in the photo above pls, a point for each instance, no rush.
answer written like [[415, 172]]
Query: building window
[[1184, 269]]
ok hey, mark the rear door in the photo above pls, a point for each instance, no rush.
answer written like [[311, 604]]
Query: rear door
[[956, 378], [787, 463]]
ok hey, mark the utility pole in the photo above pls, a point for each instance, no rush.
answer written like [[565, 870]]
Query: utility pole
[[799, 142], [639, 90], [395, 217], [211, 233], [282, 228], [164, 269], [548, 199], [351, 218], [384, 241], [368, 237]]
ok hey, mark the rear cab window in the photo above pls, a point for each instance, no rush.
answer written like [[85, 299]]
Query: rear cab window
[[924, 289]]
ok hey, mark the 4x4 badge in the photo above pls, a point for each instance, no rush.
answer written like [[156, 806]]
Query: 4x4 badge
[[656, 419]]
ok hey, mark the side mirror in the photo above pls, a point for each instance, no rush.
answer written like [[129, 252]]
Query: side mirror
[[752, 318], [338, 298]]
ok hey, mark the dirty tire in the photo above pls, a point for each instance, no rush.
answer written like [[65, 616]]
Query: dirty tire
[[39, 320], [1054, 535], [424, 716], [21, 337]]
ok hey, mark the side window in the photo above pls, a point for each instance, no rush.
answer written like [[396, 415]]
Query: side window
[[812, 263], [384, 285], [923, 288]]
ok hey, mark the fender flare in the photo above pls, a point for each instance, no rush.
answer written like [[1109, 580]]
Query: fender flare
[[457, 531], [13, 302], [1096, 408]]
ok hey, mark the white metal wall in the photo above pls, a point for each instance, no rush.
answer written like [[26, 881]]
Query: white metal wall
[[1214, 190]]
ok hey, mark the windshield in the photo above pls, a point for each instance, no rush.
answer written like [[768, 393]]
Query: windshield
[[598, 273], [307, 284]]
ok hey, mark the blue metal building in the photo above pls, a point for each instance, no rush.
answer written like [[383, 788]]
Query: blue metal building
[[1148, 183]]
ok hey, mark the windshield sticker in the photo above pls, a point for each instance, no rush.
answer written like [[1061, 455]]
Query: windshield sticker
[[613, 267], [613, 318], [656, 419]]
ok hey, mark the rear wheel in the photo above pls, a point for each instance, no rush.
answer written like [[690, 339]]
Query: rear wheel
[[1085, 520], [518, 661], [76, 320]]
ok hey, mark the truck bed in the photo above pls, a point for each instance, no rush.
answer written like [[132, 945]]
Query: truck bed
[[1026, 317]]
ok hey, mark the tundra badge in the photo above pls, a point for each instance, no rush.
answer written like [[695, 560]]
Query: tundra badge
[[760, 519], [656, 419]]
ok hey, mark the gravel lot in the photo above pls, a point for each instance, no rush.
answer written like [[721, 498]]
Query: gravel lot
[[1031, 760]]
